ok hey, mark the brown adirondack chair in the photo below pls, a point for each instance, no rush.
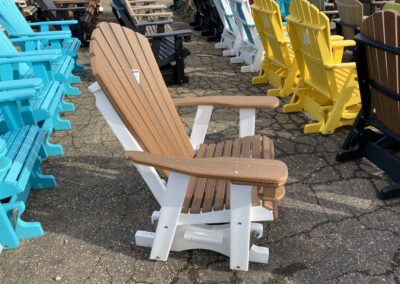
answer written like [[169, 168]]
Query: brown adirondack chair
[[207, 184], [351, 16], [376, 132]]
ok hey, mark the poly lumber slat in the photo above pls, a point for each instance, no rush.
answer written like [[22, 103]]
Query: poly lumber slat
[[211, 183], [201, 185], [221, 187], [187, 202]]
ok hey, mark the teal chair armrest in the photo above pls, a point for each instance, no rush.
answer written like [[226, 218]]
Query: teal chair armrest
[[34, 83]]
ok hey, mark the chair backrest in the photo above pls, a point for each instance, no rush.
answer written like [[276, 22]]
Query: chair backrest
[[244, 21], [49, 7], [309, 33], [392, 6], [268, 20], [284, 7], [7, 46], [226, 15], [320, 4], [143, 101], [12, 19], [351, 16], [380, 79]]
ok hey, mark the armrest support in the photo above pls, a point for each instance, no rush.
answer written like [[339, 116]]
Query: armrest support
[[271, 173], [256, 102]]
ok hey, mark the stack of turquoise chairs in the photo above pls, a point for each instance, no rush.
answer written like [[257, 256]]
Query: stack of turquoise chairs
[[37, 66]]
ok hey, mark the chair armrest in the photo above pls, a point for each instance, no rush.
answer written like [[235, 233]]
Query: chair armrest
[[29, 59], [16, 95], [346, 65], [35, 34], [54, 23], [254, 102], [39, 38], [180, 33], [156, 23], [237, 170], [336, 37], [30, 53], [34, 83], [65, 9], [343, 43]]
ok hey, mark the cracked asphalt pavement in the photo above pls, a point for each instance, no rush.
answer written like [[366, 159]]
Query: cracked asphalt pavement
[[332, 228]]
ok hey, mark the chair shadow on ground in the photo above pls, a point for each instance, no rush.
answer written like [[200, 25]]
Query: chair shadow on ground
[[103, 201]]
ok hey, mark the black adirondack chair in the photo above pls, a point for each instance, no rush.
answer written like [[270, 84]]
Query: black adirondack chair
[[167, 45], [207, 20], [83, 11], [375, 134]]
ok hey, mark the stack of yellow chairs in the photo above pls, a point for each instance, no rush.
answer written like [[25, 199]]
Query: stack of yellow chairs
[[325, 89], [279, 66]]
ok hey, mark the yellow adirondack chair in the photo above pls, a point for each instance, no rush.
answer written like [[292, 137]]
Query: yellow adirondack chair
[[279, 66], [327, 91]]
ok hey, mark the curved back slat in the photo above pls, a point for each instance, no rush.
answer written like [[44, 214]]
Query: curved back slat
[[144, 104]]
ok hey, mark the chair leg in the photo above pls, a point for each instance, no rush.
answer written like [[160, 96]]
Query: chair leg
[[41, 181], [8, 238], [240, 226], [53, 149], [389, 192], [169, 216], [61, 124], [296, 102], [67, 107], [71, 91]]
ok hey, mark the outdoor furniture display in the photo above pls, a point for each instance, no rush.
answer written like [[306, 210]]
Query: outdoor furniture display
[[230, 37], [167, 44], [84, 11], [327, 89], [251, 51], [375, 133], [351, 16], [279, 67], [16, 26], [208, 185]]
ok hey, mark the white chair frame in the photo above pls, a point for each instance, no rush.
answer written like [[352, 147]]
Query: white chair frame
[[178, 231]]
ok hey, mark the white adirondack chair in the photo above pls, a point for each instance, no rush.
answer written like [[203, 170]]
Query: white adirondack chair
[[251, 51], [230, 38], [209, 199]]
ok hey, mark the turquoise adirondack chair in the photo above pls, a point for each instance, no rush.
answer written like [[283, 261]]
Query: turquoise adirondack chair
[[17, 26], [62, 69], [43, 109], [21, 153], [284, 7]]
